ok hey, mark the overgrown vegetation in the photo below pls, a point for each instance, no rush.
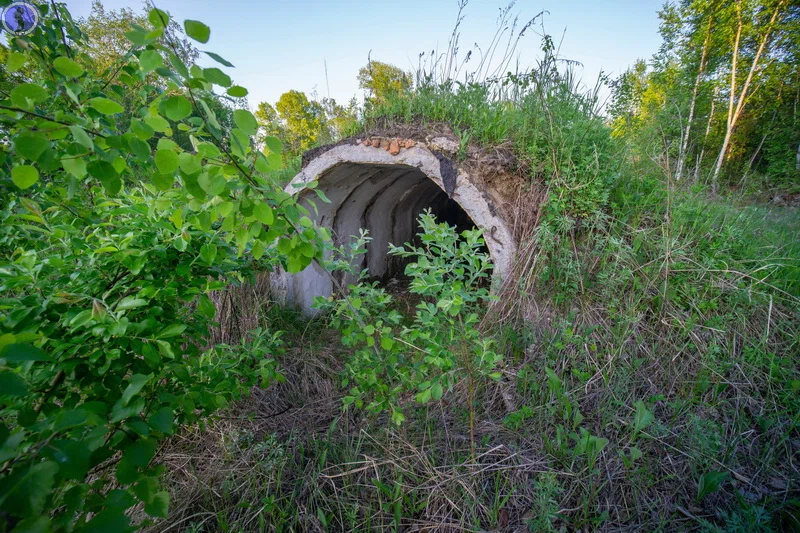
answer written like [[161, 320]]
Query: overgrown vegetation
[[441, 347], [118, 221], [718, 104], [638, 370]]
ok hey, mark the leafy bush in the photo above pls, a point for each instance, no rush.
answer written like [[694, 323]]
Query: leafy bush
[[113, 233], [427, 354]]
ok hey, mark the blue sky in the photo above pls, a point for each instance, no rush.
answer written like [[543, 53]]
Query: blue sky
[[278, 45]]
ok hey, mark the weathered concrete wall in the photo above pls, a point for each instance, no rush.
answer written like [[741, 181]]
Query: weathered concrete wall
[[383, 186]]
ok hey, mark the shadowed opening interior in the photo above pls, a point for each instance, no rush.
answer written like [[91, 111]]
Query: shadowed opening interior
[[386, 200]]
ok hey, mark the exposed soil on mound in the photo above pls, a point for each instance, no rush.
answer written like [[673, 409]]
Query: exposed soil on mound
[[496, 170]]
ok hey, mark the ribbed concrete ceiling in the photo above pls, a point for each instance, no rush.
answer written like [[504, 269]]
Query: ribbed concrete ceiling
[[385, 193]]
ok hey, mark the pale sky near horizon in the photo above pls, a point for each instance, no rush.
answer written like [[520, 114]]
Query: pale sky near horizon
[[278, 45]]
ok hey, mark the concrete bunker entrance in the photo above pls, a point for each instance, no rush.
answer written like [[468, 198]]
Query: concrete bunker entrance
[[385, 193], [387, 200]]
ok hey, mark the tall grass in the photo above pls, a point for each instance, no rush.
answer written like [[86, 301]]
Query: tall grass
[[632, 289], [651, 332]]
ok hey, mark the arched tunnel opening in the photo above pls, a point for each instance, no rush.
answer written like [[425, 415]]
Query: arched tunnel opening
[[383, 193], [387, 201]]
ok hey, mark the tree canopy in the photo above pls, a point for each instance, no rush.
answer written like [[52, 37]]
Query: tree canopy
[[721, 93], [382, 81]]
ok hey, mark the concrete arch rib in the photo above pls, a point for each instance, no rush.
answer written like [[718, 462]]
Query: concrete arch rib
[[383, 193]]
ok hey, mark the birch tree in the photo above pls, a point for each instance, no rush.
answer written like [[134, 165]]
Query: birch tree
[[737, 98]]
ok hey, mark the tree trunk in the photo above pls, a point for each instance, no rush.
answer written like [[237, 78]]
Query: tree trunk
[[731, 99], [797, 164], [705, 137], [752, 160], [735, 113], [685, 142]]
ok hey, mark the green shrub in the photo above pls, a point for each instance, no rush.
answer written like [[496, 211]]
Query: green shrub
[[428, 354], [114, 230]]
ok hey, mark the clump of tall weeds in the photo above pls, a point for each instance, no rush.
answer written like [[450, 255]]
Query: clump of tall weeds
[[644, 299]]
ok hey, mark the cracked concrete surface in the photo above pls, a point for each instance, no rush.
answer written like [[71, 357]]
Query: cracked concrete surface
[[384, 189]]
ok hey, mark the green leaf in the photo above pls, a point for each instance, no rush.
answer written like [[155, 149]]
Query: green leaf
[[179, 65], [159, 506], [274, 145], [34, 524], [275, 161], [208, 252], [216, 76], [206, 149], [142, 130], [261, 164], [108, 520], [245, 120], [150, 60], [24, 93], [105, 106], [177, 107], [146, 488], [153, 35], [69, 418], [106, 174], [636, 453], [137, 37], [71, 456], [197, 30], [240, 142], [26, 490], [191, 184], [15, 61], [24, 176], [130, 302], [397, 417], [11, 384], [296, 264], [322, 196], [67, 67], [75, 166], [190, 163], [140, 452], [139, 148], [387, 343], [642, 417], [263, 213], [158, 123], [126, 472], [172, 330], [424, 396], [237, 91], [709, 483], [162, 420], [165, 349], [81, 137], [218, 59], [120, 412], [167, 161], [158, 18], [437, 391], [213, 185], [258, 250], [31, 145], [17, 353], [135, 384]]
